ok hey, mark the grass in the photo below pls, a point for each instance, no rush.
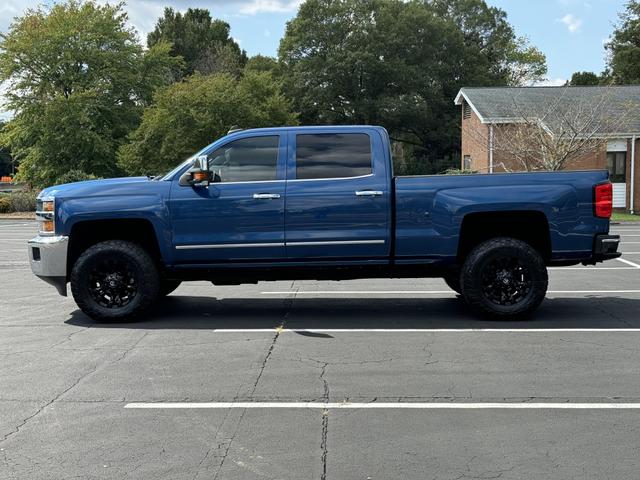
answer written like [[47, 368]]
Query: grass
[[624, 217]]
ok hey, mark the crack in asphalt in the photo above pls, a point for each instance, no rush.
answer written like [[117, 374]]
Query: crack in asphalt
[[68, 337], [429, 355], [486, 475], [42, 407], [128, 350], [288, 306], [325, 424], [63, 392], [359, 362]]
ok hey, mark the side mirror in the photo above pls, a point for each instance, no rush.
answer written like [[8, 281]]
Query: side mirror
[[199, 175]]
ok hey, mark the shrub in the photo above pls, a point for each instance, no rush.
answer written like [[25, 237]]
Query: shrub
[[74, 176], [5, 204], [457, 171], [22, 202]]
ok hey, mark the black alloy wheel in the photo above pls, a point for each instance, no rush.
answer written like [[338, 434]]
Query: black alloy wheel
[[115, 280], [113, 283], [506, 281], [504, 278]]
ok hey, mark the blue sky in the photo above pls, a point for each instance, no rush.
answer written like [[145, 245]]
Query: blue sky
[[571, 33]]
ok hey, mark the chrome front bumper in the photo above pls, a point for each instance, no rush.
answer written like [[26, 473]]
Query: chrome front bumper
[[48, 259]]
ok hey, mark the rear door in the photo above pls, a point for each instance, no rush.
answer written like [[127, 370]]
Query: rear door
[[338, 199]]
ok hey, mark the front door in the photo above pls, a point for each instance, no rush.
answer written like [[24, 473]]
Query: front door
[[240, 216], [338, 197]]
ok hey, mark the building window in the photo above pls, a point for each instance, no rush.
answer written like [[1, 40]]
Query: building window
[[617, 166], [467, 162], [466, 110]]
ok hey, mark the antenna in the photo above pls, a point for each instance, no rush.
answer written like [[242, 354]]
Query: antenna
[[234, 129]]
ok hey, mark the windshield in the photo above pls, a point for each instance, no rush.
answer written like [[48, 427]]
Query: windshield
[[169, 176]]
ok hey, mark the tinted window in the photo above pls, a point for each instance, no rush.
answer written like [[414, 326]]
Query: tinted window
[[333, 155], [246, 160], [617, 166]]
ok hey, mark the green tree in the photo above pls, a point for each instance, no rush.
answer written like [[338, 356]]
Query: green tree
[[493, 52], [400, 64], [188, 115], [78, 82], [584, 78], [6, 162], [262, 63], [204, 43], [624, 47]]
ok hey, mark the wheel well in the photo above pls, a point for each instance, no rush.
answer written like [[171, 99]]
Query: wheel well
[[529, 226], [85, 234]]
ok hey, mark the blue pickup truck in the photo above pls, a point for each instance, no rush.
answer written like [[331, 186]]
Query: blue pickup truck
[[316, 203]]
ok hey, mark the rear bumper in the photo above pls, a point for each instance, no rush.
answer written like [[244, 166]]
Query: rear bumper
[[605, 247], [48, 259]]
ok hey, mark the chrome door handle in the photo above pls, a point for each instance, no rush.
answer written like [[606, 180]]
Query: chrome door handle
[[369, 193], [266, 196]]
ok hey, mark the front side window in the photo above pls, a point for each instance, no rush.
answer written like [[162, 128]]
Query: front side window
[[617, 166], [251, 159], [333, 155]]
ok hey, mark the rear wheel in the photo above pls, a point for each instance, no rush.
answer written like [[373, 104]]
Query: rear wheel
[[504, 278], [115, 281], [453, 282]]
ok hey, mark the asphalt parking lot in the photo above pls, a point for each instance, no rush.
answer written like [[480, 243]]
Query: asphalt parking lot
[[331, 368]]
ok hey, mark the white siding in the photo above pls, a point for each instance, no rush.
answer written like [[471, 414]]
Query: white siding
[[619, 195]]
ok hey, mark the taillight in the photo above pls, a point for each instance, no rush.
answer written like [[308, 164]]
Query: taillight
[[603, 200]]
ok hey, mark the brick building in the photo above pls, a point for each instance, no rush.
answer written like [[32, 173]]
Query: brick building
[[511, 128]]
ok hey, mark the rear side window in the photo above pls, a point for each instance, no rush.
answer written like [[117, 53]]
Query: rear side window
[[333, 155]]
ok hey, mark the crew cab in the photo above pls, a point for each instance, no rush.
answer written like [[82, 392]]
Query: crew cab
[[317, 203]]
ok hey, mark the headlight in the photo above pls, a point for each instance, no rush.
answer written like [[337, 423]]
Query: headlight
[[45, 216]]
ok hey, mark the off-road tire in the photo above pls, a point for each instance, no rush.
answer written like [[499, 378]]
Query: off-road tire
[[168, 286], [140, 266], [453, 282], [478, 283]]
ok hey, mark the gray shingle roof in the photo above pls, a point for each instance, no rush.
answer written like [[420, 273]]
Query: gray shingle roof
[[617, 106]]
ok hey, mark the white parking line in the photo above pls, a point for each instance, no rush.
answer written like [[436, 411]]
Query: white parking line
[[591, 268], [424, 292], [4, 225], [389, 405], [628, 262], [426, 330]]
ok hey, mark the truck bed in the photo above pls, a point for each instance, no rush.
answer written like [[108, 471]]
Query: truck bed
[[429, 210]]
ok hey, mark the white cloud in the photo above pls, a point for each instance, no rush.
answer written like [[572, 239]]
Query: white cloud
[[572, 22], [143, 16], [551, 82], [9, 9], [270, 6]]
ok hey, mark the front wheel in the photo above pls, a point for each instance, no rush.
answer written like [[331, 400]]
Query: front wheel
[[115, 281], [168, 286], [504, 278]]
